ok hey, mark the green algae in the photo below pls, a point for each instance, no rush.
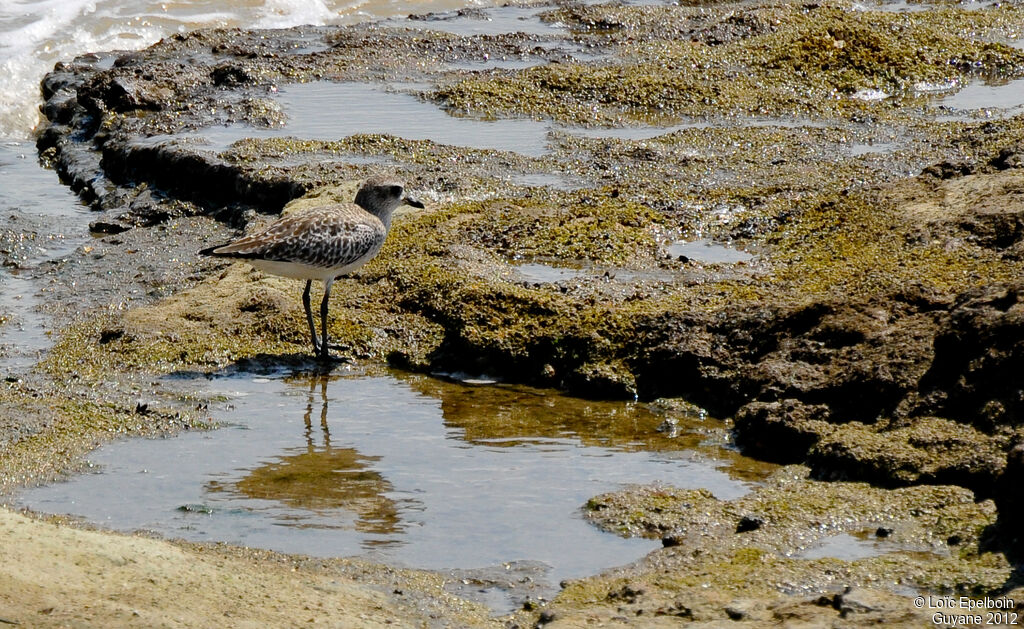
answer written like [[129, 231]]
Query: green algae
[[73, 424], [935, 534], [796, 512], [588, 226], [857, 245], [812, 66], [242, 315], [929, 450]]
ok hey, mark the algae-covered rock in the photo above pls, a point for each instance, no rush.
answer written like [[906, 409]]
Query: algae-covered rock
[[786, 60], [711, 569], [784, 430], [930, 450]]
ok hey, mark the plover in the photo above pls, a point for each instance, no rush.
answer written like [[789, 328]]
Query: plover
[[323, 243]]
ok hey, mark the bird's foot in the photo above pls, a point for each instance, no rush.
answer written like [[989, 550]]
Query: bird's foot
[[325, 356]]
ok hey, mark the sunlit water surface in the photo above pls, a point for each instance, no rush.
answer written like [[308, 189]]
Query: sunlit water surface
[[405, 469]]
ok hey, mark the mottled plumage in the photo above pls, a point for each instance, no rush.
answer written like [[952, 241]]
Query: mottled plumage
[[322, 243], [314, 244]]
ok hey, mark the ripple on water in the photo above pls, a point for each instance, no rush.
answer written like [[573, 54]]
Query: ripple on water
[[407, 469]]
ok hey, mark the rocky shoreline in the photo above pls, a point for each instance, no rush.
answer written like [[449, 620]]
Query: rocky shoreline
[[874, 336]]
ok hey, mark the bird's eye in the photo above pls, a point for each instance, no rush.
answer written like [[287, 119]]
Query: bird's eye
[[396, 191]]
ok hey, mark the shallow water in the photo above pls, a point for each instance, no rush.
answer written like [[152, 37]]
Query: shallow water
[[49, 221], [1005, 95], [546, 273], [374, 109], [405, 469], [399, 111], [547, 180], [659, 127], [708, 252], [851, 547]]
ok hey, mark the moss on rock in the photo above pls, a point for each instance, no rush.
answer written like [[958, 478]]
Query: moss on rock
[[811, 62], [928, 537]]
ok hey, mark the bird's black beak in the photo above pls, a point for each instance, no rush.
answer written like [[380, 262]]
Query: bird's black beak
[[413, 201]]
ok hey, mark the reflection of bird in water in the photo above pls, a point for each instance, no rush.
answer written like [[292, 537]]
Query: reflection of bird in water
[[308, 417], [325, 478], [323, 244]]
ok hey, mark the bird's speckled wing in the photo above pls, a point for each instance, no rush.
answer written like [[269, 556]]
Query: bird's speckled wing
[[332, 236]]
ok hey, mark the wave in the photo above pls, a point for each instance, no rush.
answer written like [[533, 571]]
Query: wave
[[35, 34]]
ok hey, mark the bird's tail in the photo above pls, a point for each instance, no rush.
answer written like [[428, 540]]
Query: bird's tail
[[211, 251]]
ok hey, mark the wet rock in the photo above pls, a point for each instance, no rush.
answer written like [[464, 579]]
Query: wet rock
[[746, 609], [672, 508], [122, 93], [782, 431], [749, 523], [228, 74], [110, 334], [949, 169], [1007, 497], [61, 108], [195, 176], [63, 78], [929, 450], [108, 227], [546, 617], [978, 354], [1009, 157], [601, 381], [628, 593]]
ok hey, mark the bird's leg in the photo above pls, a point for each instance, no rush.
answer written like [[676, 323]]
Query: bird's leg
[[324, 353], [309, 317]]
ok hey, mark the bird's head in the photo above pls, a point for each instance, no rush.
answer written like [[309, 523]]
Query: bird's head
[[380, 196]]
